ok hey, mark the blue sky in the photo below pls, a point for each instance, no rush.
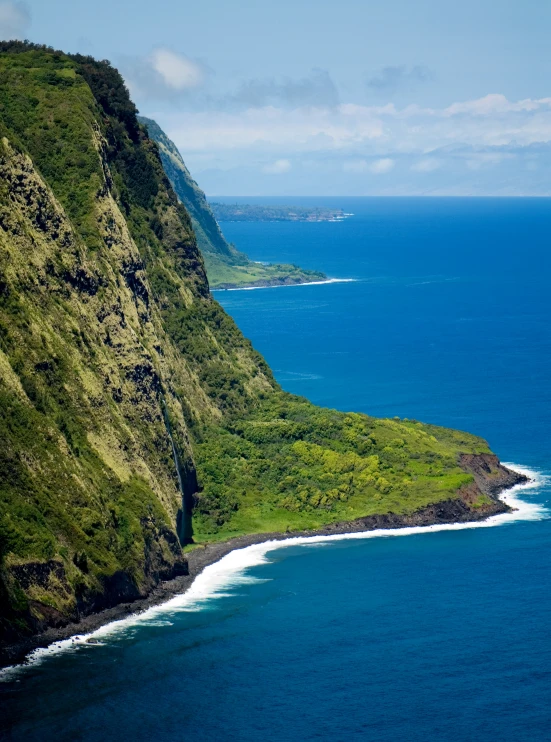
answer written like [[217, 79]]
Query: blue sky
[[350, 98]]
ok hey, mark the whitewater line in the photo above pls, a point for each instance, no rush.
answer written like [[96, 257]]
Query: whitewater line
[[290, 285], [229, 571]]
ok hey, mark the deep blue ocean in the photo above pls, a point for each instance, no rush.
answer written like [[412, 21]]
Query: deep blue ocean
[[441, 636]]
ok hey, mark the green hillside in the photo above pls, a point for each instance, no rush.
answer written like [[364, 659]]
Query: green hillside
[[226, 266], [134, 416]]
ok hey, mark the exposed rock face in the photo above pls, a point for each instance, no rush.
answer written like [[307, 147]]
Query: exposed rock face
[[95, 489], [489, 473]]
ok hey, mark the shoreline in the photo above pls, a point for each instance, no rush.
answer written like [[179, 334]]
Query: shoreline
[[451, 514], [287, 285]]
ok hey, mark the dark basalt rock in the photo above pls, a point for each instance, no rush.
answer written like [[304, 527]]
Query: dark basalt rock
[[38, 573], [82, 281], [489, 473]]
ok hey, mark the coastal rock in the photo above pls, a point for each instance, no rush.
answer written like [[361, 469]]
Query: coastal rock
[[489, 473]]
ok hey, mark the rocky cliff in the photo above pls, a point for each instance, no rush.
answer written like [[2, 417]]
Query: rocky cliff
[[107, 335], [134, 416], [226, 266]]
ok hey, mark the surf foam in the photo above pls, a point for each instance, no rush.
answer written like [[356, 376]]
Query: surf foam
[[230, 571]]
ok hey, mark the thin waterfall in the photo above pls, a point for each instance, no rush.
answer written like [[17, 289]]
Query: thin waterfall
[[183, 522]]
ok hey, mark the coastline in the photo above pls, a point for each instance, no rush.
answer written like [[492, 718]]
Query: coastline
[[449, 514], [284, 285]]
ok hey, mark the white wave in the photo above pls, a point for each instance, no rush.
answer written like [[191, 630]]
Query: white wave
[[296, 376], [290, 285], [230, 571]]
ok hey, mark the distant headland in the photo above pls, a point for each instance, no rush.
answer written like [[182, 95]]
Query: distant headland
[[265, 213]]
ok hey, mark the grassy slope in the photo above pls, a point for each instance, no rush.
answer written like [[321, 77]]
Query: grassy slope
[[226, 266], [109, 340], [291, 465], [224, 276]]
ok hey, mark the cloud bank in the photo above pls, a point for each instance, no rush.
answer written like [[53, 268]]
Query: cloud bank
[[481, 146], [300, 130], [362, 130]]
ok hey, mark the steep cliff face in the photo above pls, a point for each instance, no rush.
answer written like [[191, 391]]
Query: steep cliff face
[[226, 266], [210, 239], [134, 416], [110, 346], [82, 477]]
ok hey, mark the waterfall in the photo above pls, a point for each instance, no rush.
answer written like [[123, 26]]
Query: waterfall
[[183, 522]]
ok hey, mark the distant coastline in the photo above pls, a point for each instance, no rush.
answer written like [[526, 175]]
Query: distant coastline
[[226, 266], [282, 284], [225, 212]]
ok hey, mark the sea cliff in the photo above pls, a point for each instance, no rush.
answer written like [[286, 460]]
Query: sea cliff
[[135, 418], [492, 478]]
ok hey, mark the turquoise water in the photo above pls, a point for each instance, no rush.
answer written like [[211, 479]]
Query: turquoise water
[[441, 635]]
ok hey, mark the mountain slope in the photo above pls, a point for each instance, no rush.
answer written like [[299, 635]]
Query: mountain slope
[[109, 344], [134, 416], [226, 266]]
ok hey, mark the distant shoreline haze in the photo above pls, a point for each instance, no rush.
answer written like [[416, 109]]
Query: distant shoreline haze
[[238, 212]]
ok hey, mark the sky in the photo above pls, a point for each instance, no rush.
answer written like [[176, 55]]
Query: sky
[[349, 98]]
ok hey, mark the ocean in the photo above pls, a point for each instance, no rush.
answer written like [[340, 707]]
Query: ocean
[[439, 634]]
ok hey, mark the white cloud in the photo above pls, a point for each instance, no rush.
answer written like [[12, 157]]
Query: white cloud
[[302, 130], [379, 167], [364, 132], [367, 147], [384, 165], [162, 74], [177, 71], [428, 165], [495, 103], [278, 167], [15, 18]]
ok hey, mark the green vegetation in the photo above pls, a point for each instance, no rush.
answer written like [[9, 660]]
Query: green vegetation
[[112, 349], [291, 465], [224, 276], [225, 212], [226, 266]]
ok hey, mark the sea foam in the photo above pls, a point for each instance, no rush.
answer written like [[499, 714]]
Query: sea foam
[[230, 571]]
